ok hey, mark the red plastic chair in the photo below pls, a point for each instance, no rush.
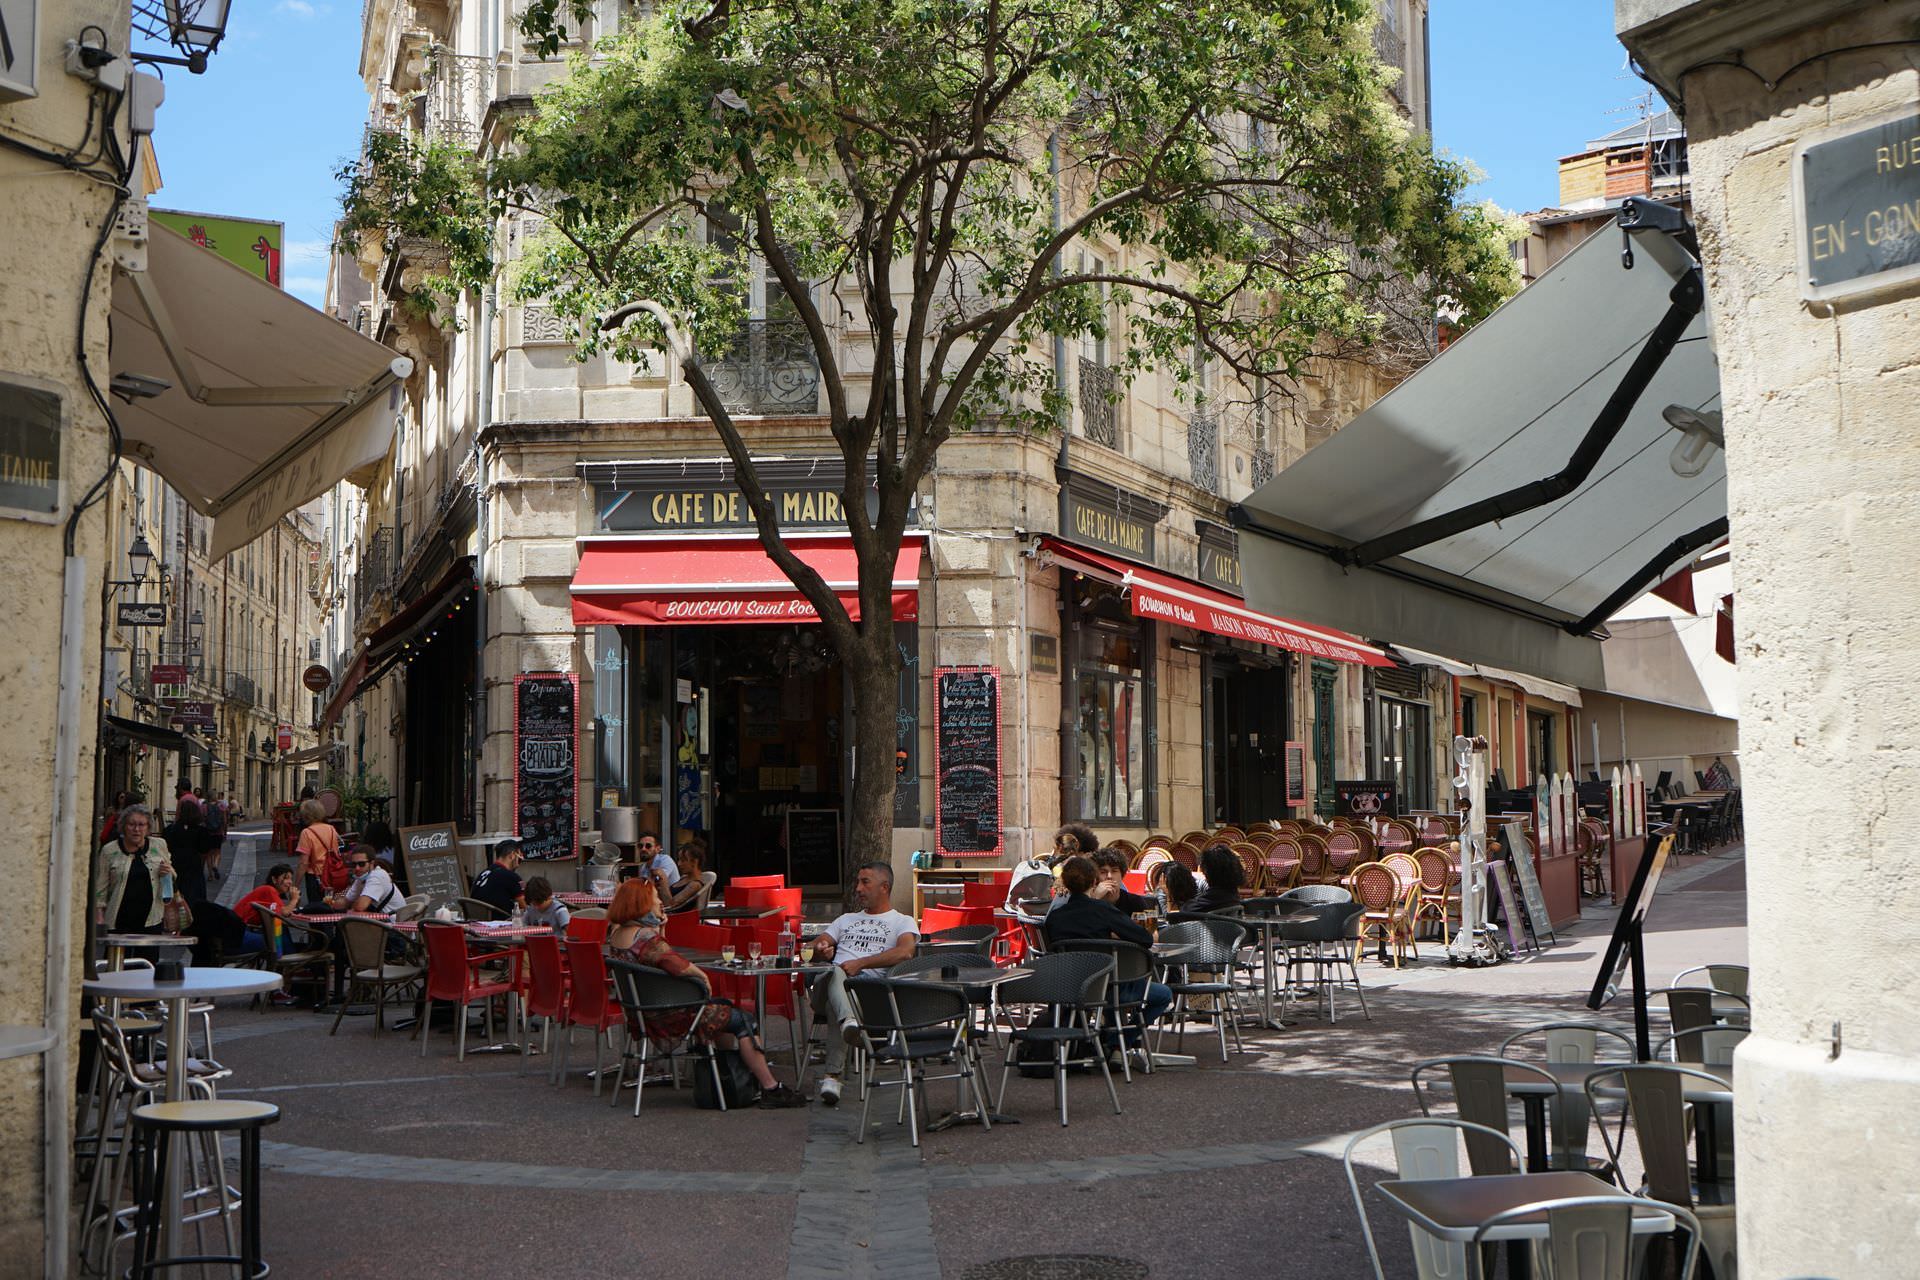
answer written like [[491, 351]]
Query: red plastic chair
[[1136, 881], [685, 933], [785, 898], [589, 930], [983, 894], [545, 995], [934, 919], [452, 976], [753, 882], [590, 1004]]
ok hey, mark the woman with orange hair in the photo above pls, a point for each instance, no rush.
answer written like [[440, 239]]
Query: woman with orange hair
[[630, 936]]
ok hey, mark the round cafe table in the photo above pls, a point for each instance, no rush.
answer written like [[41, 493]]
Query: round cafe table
[[193, 984], [118, 944]]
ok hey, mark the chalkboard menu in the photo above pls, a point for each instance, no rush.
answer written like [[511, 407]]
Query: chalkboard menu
[[1296, 765], [813, 846], [1520, 853], [546, 775], [430, 863], [1364, 799], [966, 762]]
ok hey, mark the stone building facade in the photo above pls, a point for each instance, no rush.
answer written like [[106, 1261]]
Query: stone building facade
[[516, 462]]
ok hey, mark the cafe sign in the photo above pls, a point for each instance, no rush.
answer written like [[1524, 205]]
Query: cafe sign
[[1857, 208], [1220, 558], [699, 495], [31, 416], [1099, 515]]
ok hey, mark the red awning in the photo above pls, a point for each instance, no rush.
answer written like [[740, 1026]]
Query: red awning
[[705, 580], [1185, 603]]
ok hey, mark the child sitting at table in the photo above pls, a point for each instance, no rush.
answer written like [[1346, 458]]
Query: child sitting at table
[[542, 908], [279, 893]]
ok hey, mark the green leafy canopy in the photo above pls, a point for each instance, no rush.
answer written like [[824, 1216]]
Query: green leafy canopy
[[926, 179]]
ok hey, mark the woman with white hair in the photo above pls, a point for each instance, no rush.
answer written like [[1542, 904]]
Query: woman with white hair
[[134, 881]]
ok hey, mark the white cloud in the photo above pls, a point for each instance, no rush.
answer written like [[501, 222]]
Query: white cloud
[[302, 252], [309, 289], [301, 8]]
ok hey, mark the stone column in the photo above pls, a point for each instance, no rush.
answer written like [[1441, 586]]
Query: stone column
[[1823, 469]]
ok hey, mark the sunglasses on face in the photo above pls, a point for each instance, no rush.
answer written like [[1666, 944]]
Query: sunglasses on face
[[358, 865]]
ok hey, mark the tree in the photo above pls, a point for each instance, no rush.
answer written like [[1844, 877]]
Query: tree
[[917, 170]]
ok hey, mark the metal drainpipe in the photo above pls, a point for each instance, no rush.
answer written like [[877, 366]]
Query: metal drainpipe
[[481, 420], [1069, 750]]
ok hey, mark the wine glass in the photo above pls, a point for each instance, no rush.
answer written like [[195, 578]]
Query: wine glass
[[753, 951], [727, 953]]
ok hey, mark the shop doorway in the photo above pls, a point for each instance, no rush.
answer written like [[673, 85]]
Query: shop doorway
[[1247, 718], [755, 721]]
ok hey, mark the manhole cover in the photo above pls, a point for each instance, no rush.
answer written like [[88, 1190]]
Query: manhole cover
[[1058, 1266]]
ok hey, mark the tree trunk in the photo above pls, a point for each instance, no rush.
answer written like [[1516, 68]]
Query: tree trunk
[[872, 674]]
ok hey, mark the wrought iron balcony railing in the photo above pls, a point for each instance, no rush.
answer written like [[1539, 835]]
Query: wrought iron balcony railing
[[768, 368], [1203, 449], [1099, 416], [459, 86], [242, 689], [375, 571]]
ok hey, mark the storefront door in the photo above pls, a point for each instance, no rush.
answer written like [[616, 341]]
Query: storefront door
[[1246, 737], [1323, 737]]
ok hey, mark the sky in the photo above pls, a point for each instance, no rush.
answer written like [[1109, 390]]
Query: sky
[[281, 106]]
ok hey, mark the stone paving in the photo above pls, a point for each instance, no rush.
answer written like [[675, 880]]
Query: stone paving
[[390, 1164]]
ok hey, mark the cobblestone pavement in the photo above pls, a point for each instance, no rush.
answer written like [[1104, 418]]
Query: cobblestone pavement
[[389, 1164]]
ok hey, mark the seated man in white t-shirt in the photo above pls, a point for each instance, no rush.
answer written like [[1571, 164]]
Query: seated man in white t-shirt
[[870, 940], [372, 888]]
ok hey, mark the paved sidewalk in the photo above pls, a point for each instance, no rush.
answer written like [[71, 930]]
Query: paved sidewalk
[[390, 1164]]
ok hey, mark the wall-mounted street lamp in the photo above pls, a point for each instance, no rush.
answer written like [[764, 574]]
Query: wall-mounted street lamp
[[139, 558], [194, 27]]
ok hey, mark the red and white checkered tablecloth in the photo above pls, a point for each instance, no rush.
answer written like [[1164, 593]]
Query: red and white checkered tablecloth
[[335, 917], [482, 930], [584, 899]]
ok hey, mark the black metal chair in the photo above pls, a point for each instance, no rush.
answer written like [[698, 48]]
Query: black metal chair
[[1126, 1018], [1073, 988], [976, 938], [1323, 947], [1216, 943], [905, 1023], [645, 992]]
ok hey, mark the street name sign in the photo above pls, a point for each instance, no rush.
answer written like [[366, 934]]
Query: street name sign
[[1857, 208], [137, 613]]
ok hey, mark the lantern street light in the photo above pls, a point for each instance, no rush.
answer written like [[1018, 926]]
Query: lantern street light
[[194, 27], [139, 558]]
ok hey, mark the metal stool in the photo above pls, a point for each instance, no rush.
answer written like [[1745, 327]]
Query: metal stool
[[153, 1128]]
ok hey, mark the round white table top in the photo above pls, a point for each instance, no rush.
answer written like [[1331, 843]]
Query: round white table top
[[129, 941], [138, 984]]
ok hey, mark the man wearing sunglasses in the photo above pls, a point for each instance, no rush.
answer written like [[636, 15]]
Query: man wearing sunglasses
[[372, 888]]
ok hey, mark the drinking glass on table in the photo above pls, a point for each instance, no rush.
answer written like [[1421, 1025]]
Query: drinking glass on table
[[727, 953], [753, 950]]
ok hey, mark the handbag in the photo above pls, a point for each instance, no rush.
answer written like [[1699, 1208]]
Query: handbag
[[176, 917], [737, 1084]]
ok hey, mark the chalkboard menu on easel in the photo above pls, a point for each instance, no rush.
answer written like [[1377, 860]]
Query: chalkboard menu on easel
[[1520, 853], [430, 863], [546, 775], [1296, 762], [813, 846], [966, 762]]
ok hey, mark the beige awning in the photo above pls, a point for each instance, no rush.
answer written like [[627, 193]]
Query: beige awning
[[267, 403]]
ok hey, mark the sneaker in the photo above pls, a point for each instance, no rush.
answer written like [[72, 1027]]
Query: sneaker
[[282, 998], [780, 1097], [830, 1091], [851, 1033]]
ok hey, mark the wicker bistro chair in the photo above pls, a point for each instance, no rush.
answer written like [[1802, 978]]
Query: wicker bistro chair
[[474, 909], [1073, 987], [904, 1024], [1439, 895], [1282, 861], [1128, 848], [368, 970], [1388, 914], [1186, 855], [645, 992], [1200, 839], [1314, 867], [1262, 838], [1253, 870], [1423, 1149], [1348, 847], [1216, 941]]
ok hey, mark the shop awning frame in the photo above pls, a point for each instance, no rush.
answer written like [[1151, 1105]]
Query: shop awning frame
[[1162, 597], [271, 403], [1513, 494], [387, 645], [157, 735]]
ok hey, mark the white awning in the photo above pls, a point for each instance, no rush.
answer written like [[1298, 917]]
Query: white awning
[[1421, 658], [1534, 685], [268, 402], [1505, 406]]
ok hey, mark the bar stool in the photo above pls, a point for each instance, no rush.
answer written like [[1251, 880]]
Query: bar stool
[[128, 1081], [154, 1126]]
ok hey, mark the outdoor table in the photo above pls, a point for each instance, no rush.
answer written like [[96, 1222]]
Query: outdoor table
[[584, 899], [1453, 1208], [118, 944], [968, 981], [1267, 924], [193, 984], [770, 968], [738, 913]]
